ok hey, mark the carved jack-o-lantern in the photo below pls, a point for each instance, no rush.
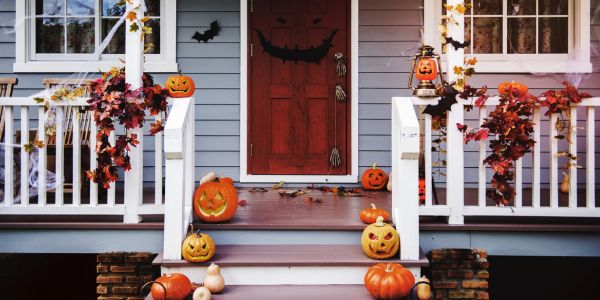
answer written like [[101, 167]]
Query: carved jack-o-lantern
[[426, 69], [180, 86], [380, 240], [198, 247], [215, 201], [421, 190], [374, 179]]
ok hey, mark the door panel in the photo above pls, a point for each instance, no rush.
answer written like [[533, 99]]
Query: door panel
[[294, 119]]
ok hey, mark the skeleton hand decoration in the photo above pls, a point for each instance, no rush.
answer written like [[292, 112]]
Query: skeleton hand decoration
[[340, 94], [341, 65]]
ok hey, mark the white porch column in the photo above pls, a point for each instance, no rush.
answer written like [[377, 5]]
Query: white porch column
[[455, 159], [134, 67]]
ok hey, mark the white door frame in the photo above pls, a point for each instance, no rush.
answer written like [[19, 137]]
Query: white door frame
[[244, 176]]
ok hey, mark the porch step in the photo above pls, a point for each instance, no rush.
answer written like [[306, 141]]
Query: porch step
[[292, 292], [287, 264]]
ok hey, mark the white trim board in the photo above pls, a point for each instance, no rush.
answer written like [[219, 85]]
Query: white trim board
[[244, 176]]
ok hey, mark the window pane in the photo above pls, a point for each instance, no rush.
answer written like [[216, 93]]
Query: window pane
[[487, 35], [520, 7], [487, 7], [117, 43], [153, 7], [153, 38], [554, 7], [521, 33], [81, 7], [49, 36], [110, 8], [468, 35], [49, 7], [80, 35], [553, 35]]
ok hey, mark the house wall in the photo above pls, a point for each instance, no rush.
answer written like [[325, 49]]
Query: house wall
[[388, 36]]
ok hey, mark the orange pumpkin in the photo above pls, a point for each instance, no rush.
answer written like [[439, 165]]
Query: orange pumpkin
[[369, 215], [421, 190], [374, 179], [389, 281], [226, 180], [426, 69], [174, 286], [215, 201], [180, 86], [514, 89]]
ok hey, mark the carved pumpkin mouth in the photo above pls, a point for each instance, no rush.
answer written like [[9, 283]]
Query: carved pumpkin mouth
[[375, 185], [212, 207], [425, 71], [172, 90]]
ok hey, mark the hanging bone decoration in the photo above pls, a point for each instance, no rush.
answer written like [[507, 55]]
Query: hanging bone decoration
[[341, 65], [208, 34], [340, 94], [310, 55], [335, 159]]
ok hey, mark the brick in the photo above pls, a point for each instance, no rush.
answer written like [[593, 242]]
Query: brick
[[110, 257], [475, 284], [437, 274], [467, 264], [481, 253], [439, 295], [138, 279], [445, 265], [135, 298], [438, 253], [445, 284], [124, 289], [483, 296], [100, 268], [482, 263], [483, 274], [123, 269], [461, 294], [109, 278], [102, 289], [140, 257], [112, 298], [461, 254], [460, 274], [146, 270]]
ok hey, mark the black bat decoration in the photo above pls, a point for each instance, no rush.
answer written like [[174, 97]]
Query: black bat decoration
[[208, 34], [311, 55], [457, 45], [446, 100]]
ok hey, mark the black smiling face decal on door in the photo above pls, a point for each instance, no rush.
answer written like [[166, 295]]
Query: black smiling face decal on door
[[310, 55]]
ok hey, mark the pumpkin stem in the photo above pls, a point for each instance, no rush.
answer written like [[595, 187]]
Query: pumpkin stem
[[373, 206], [153, 282], [388, 268], [379, 221], [374, 166]]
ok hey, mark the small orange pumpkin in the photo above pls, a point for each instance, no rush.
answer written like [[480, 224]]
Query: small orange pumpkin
[[374, 179], [512, 88], [198, 247], [180, 86], [174, 286], [369, 215], [426, 69], [389, 281], [215, 201]]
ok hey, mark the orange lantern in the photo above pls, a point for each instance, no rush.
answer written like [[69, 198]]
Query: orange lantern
[[426, 67]]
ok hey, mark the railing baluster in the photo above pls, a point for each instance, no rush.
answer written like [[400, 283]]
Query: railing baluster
[[93, 163], [158, 165], [41, 136], [590, 170], [9, 171], [553, 162], [60, 157], [112, 189], [573, 166], [482, 155], [24, 156], [76, 140], [427, 148], [519, 182], [536, 186]]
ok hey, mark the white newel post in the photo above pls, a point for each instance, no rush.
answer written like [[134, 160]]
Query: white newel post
[[405, 182], [455, 157], [134, 67]]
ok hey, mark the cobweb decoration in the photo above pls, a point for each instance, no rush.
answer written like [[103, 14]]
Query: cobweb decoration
[[32, 171]]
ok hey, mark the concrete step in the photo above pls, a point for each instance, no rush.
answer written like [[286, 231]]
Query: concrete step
[[287, 264]]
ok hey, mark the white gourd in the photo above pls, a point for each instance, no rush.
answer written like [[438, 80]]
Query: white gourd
[[201, 293], [212, 176], [213, 280]]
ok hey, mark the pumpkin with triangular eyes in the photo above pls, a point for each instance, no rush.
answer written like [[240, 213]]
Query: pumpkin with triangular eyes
[[198, 247], [374, 179], [426, 69], [180, 86], [380, 240], [215, 201]]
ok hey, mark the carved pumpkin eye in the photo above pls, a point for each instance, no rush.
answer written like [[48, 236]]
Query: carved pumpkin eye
[[184, 82], [373, 237], [389, 236], [371, 175]]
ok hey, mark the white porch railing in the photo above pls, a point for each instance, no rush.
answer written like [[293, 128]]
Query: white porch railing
[[456, 208], [79, 204]]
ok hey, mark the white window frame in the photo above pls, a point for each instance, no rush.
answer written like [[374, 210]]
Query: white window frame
[[27, 61], [576, 61]]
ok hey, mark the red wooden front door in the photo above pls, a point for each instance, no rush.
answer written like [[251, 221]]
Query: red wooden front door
[[294, 118]]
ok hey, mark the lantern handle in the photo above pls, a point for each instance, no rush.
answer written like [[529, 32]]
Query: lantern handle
[[412, 72], [440, 74]]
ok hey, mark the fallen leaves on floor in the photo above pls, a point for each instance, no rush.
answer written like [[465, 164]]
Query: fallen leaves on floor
[[279, 185], [337, 191], [242, 202], [291, 193], [258, 190], [310, 200]]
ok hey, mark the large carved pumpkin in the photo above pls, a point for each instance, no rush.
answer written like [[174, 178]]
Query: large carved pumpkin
[[369, 215], [389, 281], [374, 179], [215, 201], [180, 86], [426, 69], [422, 192], [198, 247], [380, 240], [515, 89], [174, 286]]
